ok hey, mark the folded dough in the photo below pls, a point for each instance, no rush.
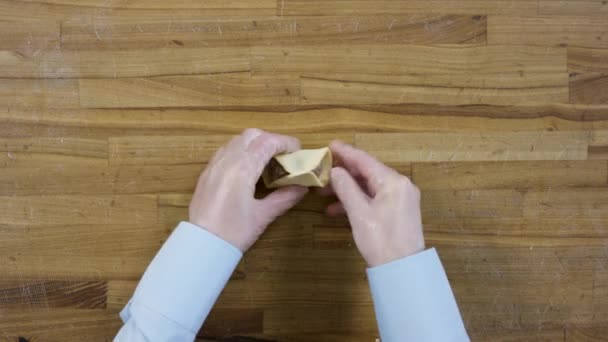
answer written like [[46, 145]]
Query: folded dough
[[303, 167]]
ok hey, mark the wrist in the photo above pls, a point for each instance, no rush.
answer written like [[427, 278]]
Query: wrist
[[388, 255]]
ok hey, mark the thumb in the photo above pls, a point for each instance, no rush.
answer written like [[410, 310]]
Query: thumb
[[281, 200], [348, 191]]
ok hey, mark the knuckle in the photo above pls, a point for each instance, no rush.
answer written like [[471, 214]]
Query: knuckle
[[252, 131]]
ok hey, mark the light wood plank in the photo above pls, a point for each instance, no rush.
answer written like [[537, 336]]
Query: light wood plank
[[264, 31], [589, 88], [497, 89], [129, 63], [104, 123], [79, 252], [77, 147], [499, 175], [57, 179], [421, 147], [518, 231], [189, 149], [189, 91], [29, 40], [575, 203], [37, 11], [320, 7], [406, 59], [160, 4], [583, 32], [50, 210], [589, 8], [38, 93]]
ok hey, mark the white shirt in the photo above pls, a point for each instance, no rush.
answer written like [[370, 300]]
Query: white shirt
[[412, 296]]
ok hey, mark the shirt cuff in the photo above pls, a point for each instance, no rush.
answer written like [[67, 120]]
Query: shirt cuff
[[186, 277], [413, 300]]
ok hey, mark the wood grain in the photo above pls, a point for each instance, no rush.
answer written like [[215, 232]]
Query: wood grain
[[188, 149], [583, 32], [42, 11], [588, 8], [420, 147], [38, 93], [507, 174], [52, 294], [414, 59], [28, 40], [589, 88], [119, 64], [268, 31], [189, 91], [78, 209], [319, 7], [495, 109], [496, 89]]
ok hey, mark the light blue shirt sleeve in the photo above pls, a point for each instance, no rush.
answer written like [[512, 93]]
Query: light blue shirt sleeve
[[179, 287], [414, 301]]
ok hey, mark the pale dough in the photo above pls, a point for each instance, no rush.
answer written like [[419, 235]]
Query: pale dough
[[303, 167]]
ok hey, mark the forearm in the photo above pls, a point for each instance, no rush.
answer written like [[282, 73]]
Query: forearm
[[179, 287], [414, 301]]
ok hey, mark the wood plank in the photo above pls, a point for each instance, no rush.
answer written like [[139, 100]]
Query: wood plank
[[60, 325], [124, 63], [160, 4], [581, 60], [36, 160], [581, 333], [77, 147], [501, 175], [523, 287], [411, 29], [49, 210], [188, 91], [29, 40], [330, 319], [38, 93], [320, 7], [57, 179], [576, 203], [31, 294], [541, 31], [104, 123], [570, 8], [497, 89], [589, 88], [422, 147], [37, 11], [409, 59], [518, 231], [440, 204], [229, 322], [189, 149], [77, 252]]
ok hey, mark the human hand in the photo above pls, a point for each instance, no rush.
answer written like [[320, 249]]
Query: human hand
[[224, 202], [383, 206]]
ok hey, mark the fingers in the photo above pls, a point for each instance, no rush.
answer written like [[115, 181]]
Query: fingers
[[348, 191], [265, 146], [326, 191], [360, 164], [279, 201], [335, 209]]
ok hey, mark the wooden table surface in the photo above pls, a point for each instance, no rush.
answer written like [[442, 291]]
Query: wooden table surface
[[497, 109]]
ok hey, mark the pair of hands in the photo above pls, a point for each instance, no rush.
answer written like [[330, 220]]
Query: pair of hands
[[383, 206]]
